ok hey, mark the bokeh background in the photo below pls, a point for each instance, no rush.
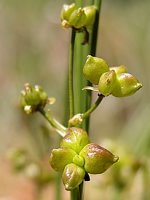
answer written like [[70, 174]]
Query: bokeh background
[[34, 49]]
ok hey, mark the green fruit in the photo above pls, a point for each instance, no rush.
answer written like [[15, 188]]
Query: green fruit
[[77, 18], [107, 82], [94, 68], [75, 139], [67, 11], [90, 12], [126, 85], [73, 176], [59, 158], [97, 159]]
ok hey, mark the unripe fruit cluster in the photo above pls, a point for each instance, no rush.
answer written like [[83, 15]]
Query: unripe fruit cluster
[[76, 157], [77, 18], [114, 81]]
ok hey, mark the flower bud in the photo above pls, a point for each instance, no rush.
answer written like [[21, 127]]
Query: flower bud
[[90, 12], [97, 159], [107, 82], [59, 158], [75, 139], [77, 18], [33, 98], [120, 69], [94, 68], [67, 11], [73, 176], [126, 85]]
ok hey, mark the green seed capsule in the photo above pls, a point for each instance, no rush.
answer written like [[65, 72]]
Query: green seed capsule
[[97, 159], [75, 139], [67, 11], [90, 12], [94, 68], [59, 158], [107, 82], [73, 176], [126, 85], [77, 18]]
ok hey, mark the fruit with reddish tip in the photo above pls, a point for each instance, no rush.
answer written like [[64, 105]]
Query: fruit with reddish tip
[[97, 159]]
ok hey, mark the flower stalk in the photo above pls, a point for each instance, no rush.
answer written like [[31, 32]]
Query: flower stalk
[[61, 130], [93, 107]]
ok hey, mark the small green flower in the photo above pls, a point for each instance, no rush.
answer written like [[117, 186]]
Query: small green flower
[[33, 98]]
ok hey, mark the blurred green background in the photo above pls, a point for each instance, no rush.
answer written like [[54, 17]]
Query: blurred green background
[[34, 49]]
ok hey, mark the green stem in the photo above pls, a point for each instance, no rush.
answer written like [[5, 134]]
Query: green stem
[[71, 59], [83, 100], [94, 36], [75, 194], [93, 107], [58, 186], [54, 123]]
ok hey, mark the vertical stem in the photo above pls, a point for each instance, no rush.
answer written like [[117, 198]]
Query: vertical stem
[[58, 186], [78, 63], [94, 36], [91, 50], [82, 99], [71, 91], [75, 194]]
